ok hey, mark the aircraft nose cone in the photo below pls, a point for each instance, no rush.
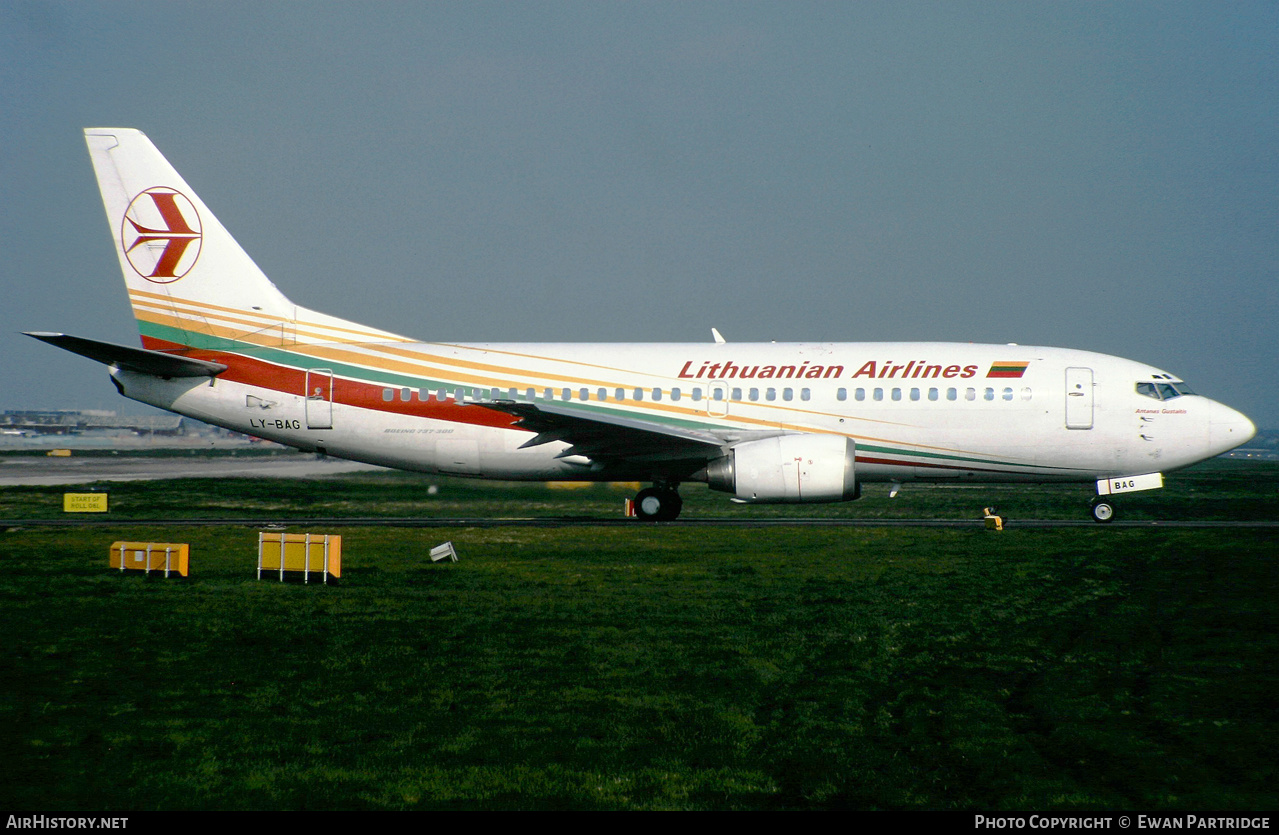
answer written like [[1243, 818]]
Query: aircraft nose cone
[[1228, 429]]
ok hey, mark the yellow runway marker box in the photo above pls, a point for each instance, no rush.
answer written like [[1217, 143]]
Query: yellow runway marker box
[[169, 557], [302, 555]]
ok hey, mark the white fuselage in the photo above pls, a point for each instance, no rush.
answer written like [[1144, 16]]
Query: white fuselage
[[916, 411]]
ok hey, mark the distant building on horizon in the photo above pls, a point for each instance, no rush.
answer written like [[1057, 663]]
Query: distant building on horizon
[[76, 421]]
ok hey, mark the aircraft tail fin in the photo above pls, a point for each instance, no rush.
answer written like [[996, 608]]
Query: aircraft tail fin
[[183, 270], [190, 283]]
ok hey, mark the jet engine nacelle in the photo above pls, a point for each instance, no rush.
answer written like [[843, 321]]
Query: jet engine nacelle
[[788, 469]]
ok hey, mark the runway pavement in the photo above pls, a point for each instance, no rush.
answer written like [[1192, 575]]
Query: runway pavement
[[40, 470]]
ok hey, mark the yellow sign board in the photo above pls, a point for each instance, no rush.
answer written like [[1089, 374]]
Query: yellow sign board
[[84, 502]]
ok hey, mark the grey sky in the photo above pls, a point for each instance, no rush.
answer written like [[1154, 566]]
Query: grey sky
[[1100, 176]]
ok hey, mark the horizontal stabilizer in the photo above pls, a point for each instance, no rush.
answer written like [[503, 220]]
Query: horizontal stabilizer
[[140, 360]]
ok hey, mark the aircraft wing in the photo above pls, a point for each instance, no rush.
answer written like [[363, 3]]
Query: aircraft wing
[[605, 436], [132, 359]]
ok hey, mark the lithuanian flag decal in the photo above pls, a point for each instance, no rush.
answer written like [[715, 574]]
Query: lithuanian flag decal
[[1007, 369]]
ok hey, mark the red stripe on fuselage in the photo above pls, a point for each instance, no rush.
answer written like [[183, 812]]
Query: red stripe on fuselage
[[346, 392]]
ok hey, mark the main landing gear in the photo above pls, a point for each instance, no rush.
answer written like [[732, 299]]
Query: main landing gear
[[659, 503], [1103, 509]]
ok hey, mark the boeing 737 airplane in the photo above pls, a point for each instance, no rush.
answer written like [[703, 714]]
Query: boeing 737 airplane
[[795, 423]]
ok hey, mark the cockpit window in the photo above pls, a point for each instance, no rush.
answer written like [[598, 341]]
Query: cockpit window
[[1163, 391]]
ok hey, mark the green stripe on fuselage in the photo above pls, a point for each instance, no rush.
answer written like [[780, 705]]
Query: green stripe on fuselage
[[303, 362]]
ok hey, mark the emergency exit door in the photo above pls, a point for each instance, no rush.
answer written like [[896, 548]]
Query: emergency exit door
[[717, 393]]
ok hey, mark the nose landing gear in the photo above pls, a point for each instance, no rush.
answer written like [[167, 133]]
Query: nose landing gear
[[1103, 509]]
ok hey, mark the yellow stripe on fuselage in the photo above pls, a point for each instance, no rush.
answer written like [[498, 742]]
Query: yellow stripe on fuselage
[[429, 365]]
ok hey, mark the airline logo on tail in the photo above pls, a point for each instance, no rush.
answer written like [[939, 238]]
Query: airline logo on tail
[[161, 235]]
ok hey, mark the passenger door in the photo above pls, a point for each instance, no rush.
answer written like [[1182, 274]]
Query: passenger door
[[319, 398], [1079, 400]]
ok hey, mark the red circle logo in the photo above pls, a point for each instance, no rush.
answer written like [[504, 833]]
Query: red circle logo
[[161, 234]]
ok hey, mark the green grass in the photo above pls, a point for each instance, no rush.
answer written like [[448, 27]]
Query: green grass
[[645, 667]]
